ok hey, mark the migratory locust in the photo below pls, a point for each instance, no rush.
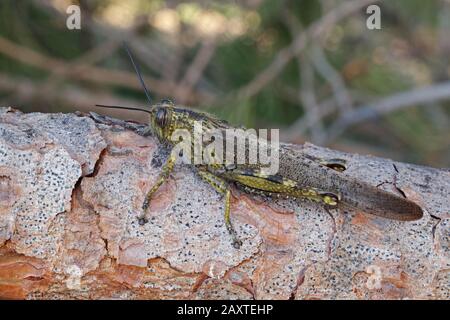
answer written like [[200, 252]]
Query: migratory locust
[[299, 175]]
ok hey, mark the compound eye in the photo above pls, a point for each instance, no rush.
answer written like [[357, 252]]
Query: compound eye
[[161, 117]]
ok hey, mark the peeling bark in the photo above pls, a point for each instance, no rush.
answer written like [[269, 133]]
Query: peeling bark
[[72, 185]]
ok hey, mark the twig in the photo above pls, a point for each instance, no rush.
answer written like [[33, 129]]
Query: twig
[[84, 100], [306, 93], [151, 53], [89, 58], [308, 97], [443, 27], [87, 72], [426, 95], [198, 65], [288, 53], [301, 125], [330, 75]]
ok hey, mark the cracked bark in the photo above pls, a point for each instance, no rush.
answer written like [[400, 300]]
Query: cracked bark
[[71, 186]]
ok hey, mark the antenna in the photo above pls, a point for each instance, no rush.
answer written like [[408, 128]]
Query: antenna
[[138, 72], [120, 107]]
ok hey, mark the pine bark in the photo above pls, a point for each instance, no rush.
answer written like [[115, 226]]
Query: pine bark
[[72, 185]]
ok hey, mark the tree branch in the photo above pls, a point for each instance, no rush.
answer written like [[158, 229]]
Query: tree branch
[[285, 55], [72, 186], [415, 97], [84, 72]]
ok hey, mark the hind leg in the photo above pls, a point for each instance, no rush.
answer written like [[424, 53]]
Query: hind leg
[[275, 185], [222, 187]]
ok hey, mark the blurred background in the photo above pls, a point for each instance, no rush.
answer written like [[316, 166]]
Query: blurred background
[[309, 67]]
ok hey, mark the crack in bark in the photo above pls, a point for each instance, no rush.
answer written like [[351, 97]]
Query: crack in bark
[[333, 233], [247, 260], [98, 162], [300, 280], [433, 229], [394, 182]]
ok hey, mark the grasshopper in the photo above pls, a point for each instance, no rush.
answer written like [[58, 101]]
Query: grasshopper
[[299, 175]]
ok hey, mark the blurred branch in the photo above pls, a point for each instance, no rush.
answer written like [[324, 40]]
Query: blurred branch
[[328, 72], [91, 57], [149, 53], [330, 75], [301, 125], [443, 27], [308, 97], [306, 92], [286, 54], [171, 68], [80, 71], [325, 109], [416, 96], [83, 100], [152, 53], [438, 116], [195, 70]]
